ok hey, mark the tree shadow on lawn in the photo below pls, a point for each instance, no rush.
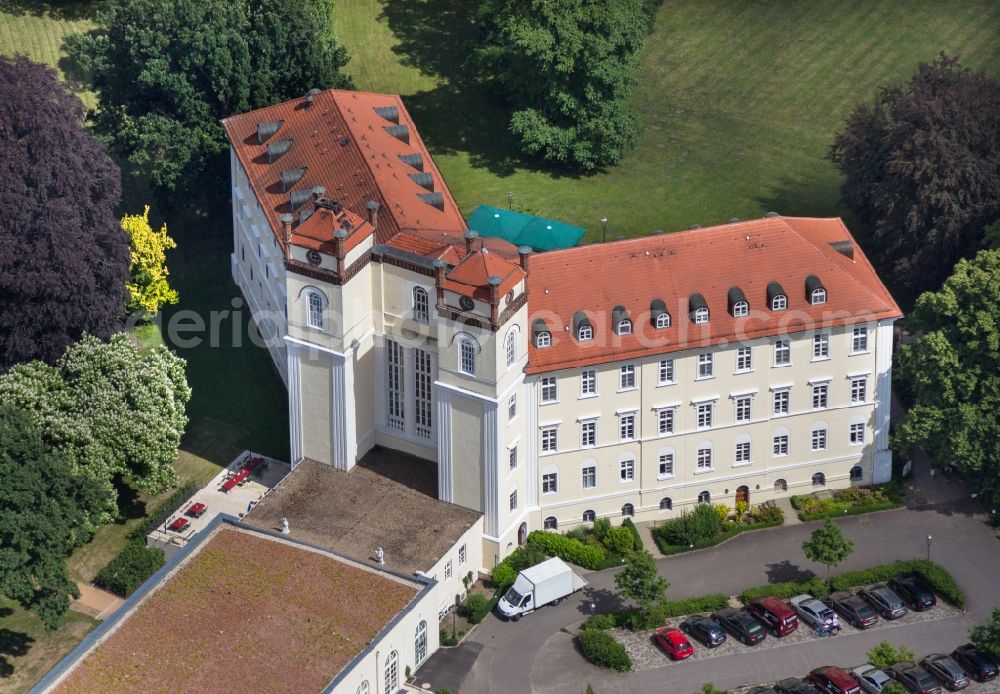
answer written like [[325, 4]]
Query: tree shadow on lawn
[[784, 571], [812, 195], [13, 644], [130, 506]]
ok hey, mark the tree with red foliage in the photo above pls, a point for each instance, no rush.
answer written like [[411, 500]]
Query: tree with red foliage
[[64, 260]]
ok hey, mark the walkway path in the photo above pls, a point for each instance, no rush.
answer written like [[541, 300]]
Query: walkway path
[[94, 601]]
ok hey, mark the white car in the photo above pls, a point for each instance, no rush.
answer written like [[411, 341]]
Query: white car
[[871, 678], [813, 612]]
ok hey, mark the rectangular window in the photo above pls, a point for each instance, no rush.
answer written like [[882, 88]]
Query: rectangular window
[[742, 452], [512, 457], [550, 483], [627, 427], [588, 382], [705, 415], [589, 477], [781, 398], [705, 365], [512, 406], [859, 339], [820, 393], [857, 433], [423, 390], [588, 434], [665, 420], [781, 444], [549, 440], [666, 371], [627, 470], [819, 439], [666, 465], [549, 389], [743, 408], [859, 387], [447, 569], [821, 346], [782, 352], [513, 500], [627, 380], [461, 554], [704, 458], [744, 359], [394, 377]]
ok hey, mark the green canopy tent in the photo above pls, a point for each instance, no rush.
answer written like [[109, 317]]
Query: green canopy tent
[[520, 229]]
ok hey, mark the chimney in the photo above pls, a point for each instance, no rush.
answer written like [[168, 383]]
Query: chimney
[[286, 234], [524, 255], [318, 192], [310, 95], [494, 283], [470, 238], [339, 236], [439, 269], [373, 207]]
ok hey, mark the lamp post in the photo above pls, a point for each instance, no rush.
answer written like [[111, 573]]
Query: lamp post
[[929, 541], [604, 224]]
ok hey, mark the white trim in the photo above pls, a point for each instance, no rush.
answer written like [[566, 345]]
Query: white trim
[[704, 399], [588, 418], [626, 410], [858, 374], [820, 380], [547, 425], [468, 393], [743, 394], [781, 387]]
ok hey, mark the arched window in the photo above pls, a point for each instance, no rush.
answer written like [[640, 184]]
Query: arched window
[[550, 523], [741, 308], [666, 504], [363, 687], [392, 672], [818, 296], [857, 473], [663, 320], [701, 315], [511, 345], [421, 305], [780, 485], [585, 333], [819, 480], [467, 356], [628, 510], [315, 310], [779, 302], [589, 516], [625, 327], [420, 642], [543, 339], [704, 498]]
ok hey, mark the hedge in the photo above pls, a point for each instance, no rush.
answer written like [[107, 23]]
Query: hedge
[[163, 511], [815, 586], [852, 511], [567, 549], [732, 531], [637, 544], [601, 648], [130, 569]]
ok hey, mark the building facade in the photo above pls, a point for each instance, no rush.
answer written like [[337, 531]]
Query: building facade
[[742, 362]]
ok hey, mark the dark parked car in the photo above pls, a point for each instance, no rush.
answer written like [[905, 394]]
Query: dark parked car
[[763, 690], [775, 614], [741, 624], [794, 685], [975, 662], [854, 609], [704, 629], [884, 600], [946, 670], [834, 680], [914, 678], [914, 591]]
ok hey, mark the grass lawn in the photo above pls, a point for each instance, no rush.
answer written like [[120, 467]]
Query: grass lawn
[[739, 99]]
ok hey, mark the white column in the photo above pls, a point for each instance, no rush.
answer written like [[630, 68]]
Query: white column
[[343, 434], [380, 383], [294, 404], [491, 479], [442, 426], [350, 416], [408, 384], [882, 460], [530, 439]]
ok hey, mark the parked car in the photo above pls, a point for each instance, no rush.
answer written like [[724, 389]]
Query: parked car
[[872, 679], [914, 678], [813, 612], [705, 629], [674, 643], [884, 600], [793, 685], [834, 680], [914, 590], [741, 624], [775, 614], [947, 671], [980, 665], [763, 690], [855, 610]]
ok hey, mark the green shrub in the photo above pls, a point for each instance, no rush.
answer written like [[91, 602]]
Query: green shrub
[[581, 533], [162, 512], [705, 603], [702, 523], [130, 569], [601, 648], [768, 514], [815, 586], [722, 511], [445, 637], [619, 540], [884, 655], [742, 507], [476, 607], [796, 501], [567, 549], [599, 621], [637, 543], [936, 576], [601, 527], [503, 576]]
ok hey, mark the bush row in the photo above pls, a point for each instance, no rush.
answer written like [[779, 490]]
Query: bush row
[[637, 544], [815, 586], [601, 648], [730, 530], [657, 615], [567, 549], [130, 569], [163, 511], [850, 511]]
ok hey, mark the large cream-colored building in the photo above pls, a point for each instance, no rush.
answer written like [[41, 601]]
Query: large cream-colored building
[[745, 361]]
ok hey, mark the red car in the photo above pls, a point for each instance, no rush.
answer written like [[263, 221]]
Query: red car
[[674, 643], [834, 680]]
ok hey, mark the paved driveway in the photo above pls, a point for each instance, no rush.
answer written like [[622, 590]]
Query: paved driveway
[[538, 654]]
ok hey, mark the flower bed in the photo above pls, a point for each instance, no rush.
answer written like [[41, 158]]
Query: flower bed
[[847, 502], [764, 516]]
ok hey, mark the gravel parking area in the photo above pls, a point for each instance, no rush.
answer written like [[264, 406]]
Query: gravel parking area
[[646, 654]]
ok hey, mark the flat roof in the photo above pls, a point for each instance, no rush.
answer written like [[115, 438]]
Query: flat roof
[[243, 611], [387, 500]]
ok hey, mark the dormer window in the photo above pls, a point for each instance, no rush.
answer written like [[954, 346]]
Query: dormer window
[[738, 304], [741, 308], [620, 320], [663, 320], [818, 297], [815, 291], [701, 315], [777, 299], [658, 314], [625, 327], [543, 339], [779, 303], [582, 327], [697, 309]]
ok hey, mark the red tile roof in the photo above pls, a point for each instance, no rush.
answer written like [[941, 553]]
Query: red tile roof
[[672, 267], [471, 276]]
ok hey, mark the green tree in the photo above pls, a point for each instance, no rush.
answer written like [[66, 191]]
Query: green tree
[[885, 655], [148, 286], [988, 637], [567, 68], [953, 369], [44, 507], [922, 172], [167, 72], [827, 545], [641, 581], [110, 409]]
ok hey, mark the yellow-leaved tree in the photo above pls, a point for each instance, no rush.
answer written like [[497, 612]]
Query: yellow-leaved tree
[[148, 287]]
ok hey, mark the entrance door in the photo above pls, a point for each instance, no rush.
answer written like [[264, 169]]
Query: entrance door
[[522, 534], [743, 494]]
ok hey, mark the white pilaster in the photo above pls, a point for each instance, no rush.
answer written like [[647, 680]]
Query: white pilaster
[[350, 416], [380, 383], [409, 391], [294, 404], [443, 428], [491, 477], [530, 441]]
